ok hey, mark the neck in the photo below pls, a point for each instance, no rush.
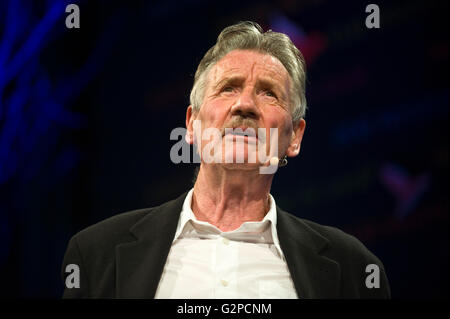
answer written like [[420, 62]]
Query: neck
[[226, 197]]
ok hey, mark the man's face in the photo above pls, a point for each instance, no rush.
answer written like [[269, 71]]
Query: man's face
[[248, 89]]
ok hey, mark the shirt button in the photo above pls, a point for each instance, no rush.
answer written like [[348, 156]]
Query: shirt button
[[226, 241], [224, 283]]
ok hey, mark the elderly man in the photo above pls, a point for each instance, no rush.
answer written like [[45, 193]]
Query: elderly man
[[226, 237]]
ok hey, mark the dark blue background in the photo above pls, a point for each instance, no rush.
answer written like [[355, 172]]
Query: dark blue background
[[86, 114]]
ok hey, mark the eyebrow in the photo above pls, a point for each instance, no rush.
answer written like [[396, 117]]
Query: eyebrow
[[236, 79], [262, 82]]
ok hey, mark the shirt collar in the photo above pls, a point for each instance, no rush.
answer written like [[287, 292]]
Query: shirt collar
[[187, 215]]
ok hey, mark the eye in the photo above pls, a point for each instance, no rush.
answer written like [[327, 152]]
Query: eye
[[271, 93], [227, 89]]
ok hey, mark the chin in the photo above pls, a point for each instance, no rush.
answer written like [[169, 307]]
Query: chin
[[244, 158], [242, 166]]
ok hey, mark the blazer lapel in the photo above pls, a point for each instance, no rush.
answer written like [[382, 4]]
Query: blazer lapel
[[314, 275], [139, 264]]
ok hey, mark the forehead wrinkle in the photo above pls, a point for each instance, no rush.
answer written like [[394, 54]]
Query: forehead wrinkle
[[273, 78], [252, 70], [215, 76], [232, 67]]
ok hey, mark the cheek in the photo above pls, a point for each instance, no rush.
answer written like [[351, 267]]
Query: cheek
[[284, 125], [281, 120], [209, 116], [212, 114]]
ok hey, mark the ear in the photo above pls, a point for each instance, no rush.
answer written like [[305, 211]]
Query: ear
[[296, 140], [190, 117]]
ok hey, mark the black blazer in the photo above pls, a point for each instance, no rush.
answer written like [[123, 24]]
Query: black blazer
[[124, 256]]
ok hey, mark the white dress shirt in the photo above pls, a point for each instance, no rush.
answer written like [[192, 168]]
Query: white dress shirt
[[205, 262]]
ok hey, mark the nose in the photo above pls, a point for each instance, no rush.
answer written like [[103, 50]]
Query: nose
[[245, 106]]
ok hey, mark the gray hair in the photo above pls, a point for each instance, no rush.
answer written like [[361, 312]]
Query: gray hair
[[250, 36]]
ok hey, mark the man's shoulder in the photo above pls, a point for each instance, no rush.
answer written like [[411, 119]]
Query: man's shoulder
[[115, 224], [339, 243], [106, 234], [336, 236], [116, 229], [352, 256]]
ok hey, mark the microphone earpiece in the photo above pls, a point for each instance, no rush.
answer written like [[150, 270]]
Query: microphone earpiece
[[274, 161]]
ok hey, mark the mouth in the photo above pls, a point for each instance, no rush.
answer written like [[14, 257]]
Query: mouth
[[246, 134]]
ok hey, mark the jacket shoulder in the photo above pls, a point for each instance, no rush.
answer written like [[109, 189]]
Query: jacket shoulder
[[342, 243], [352, 256], [116, 226], [93, 249], [116, 229], [119, 221]]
